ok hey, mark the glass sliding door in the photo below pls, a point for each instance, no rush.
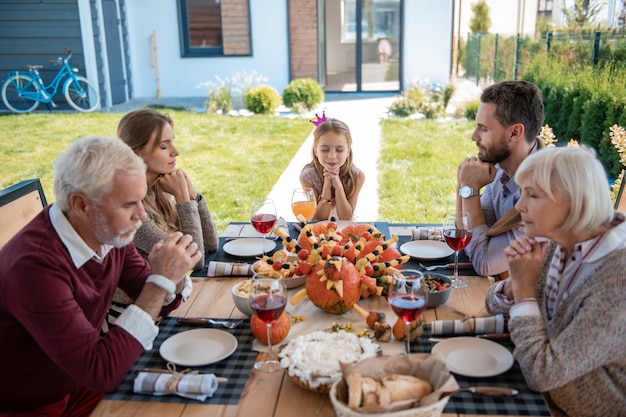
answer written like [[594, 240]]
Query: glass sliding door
[[361, 45], [380, 49]]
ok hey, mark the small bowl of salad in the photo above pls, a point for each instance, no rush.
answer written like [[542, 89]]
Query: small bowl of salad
[[439, 288]]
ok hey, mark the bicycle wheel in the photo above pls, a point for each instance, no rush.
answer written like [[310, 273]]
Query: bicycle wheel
[[15, 91], [81, 95]]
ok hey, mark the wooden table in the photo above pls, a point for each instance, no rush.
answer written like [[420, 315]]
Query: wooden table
[[273, 394], [267, 395]]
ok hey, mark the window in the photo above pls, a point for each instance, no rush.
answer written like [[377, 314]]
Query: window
[[214, 27], [544, 8], [378, 18]]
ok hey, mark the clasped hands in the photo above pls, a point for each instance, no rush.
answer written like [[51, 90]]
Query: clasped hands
[[179, 185], [525, 256], [174, 257]]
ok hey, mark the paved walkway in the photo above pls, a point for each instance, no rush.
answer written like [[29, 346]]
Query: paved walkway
[[363, 118]]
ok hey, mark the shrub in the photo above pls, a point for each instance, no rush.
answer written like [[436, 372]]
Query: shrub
[[220, 98], [404, 106], [226, 93], [262, 99], [303, 91], [471, 109]]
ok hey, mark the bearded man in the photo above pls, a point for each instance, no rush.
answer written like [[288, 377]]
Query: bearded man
[[508, 123]]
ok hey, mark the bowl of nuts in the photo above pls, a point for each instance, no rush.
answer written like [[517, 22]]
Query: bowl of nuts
[[241, 298]]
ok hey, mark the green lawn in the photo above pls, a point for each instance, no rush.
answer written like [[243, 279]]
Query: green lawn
[[234, 159], [418, 164]]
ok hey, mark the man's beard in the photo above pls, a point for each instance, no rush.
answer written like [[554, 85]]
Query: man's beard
[[496, 154], [107, 237]]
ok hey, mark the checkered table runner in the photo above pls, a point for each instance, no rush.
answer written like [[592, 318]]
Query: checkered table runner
[[525, 403], [236, 367], [414, 263]]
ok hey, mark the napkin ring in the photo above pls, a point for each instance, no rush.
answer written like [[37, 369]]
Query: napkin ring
[[172, 384]]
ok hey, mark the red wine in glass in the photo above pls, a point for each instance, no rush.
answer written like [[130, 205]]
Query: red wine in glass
[[408, 298], [268, 299], [263, 217], [457, 232], [408, 307], [268, 308], [263, 223], [457, 239]]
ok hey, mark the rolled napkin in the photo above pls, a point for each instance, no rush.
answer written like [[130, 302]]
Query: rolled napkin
[[188, 385], [474, 325], [225, 269], [426, 233]]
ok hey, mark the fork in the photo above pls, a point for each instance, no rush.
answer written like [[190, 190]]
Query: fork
[[432, 267]]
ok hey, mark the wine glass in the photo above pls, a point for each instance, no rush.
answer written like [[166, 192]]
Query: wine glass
[[303, 203], [263, 216], [268, 298], [457, 232], [408, 297]]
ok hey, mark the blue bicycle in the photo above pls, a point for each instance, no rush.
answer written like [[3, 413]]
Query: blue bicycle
[[24, 90]]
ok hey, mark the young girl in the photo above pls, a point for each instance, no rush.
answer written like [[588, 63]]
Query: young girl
[[172, 203], [331, 174]]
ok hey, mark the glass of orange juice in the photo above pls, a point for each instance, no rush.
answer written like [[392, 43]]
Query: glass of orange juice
[[303, 204]]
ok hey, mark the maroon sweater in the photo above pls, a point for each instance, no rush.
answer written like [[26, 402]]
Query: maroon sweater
[[50, 318]]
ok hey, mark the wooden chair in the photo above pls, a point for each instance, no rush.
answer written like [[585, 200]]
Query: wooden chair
[[19, 204]]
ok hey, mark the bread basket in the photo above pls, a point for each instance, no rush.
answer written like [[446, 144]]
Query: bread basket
[[425, 366], [338, 397]]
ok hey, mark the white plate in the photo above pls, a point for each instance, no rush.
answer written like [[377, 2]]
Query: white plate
[[426, 249], [472, 356], [198, 347], [248, 246]]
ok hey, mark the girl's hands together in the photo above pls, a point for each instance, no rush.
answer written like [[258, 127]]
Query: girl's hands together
[[332, 176]]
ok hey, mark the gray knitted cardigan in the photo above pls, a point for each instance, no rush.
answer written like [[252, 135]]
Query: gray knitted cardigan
[[577, 360]]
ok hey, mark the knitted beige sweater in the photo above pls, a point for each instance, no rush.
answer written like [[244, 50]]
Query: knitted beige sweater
[[577, 360]]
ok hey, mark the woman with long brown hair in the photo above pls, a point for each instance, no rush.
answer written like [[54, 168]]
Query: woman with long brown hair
[[172, 203]]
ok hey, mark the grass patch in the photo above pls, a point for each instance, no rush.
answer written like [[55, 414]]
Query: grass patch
[[231, 160], [418, 163], [235, 159]]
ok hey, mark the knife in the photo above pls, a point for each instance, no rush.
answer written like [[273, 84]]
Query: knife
[[462, 265], [490, 391], [201, 321], [490, 336]]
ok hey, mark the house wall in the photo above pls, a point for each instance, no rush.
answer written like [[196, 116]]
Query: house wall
[[32, 32], [427, 42], [303, 39], [180, 77]]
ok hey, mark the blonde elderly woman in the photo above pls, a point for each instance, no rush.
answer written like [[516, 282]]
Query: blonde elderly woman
[[565, 294]]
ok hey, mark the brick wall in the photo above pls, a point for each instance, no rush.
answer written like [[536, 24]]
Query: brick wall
[[303, 39], [236, 27]]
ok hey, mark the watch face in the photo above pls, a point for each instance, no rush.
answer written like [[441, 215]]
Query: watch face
[[465, 191]]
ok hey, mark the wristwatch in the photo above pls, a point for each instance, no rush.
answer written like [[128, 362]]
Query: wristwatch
[[466, 191]]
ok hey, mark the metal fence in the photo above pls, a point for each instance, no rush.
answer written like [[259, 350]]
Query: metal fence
[[494, 58]]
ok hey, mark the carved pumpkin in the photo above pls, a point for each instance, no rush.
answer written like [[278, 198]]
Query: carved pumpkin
[[280, 329], [316, 229], [334, 285], [387, 255], [353, 232]]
